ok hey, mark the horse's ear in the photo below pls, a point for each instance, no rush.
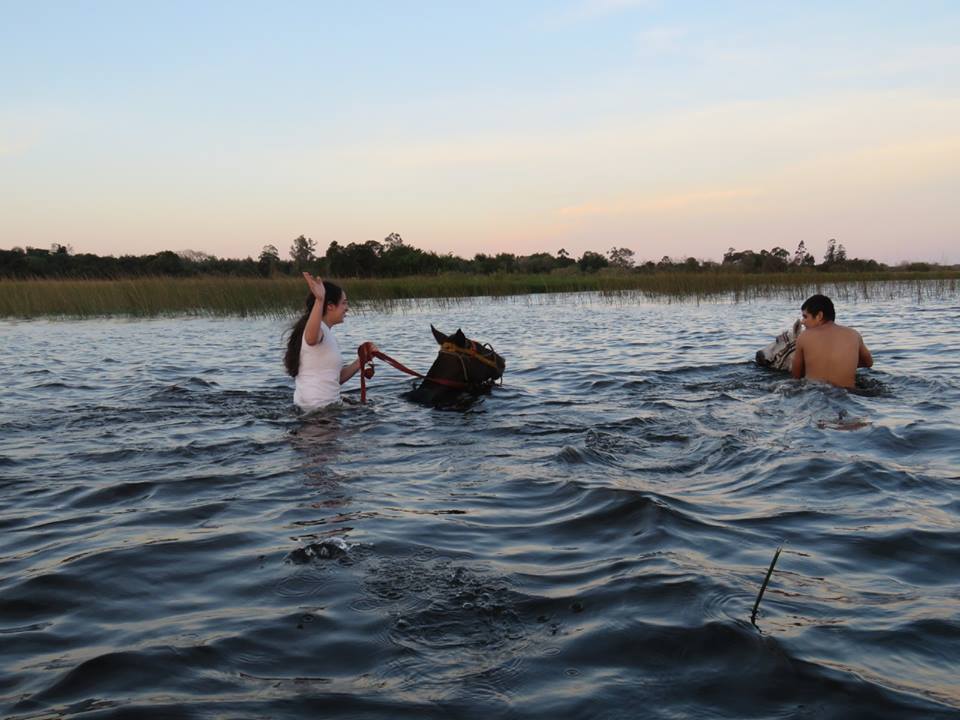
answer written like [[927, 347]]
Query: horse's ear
[[460, 339], [440, 337]]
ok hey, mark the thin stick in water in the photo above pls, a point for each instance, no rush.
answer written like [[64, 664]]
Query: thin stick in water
[[753, 615]]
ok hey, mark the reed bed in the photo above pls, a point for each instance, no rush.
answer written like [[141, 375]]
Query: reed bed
[[282, 296]]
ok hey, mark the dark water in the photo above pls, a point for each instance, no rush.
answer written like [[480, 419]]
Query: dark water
[[586, 542]]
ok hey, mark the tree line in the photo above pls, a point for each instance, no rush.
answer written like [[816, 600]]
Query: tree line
[[392, 257]]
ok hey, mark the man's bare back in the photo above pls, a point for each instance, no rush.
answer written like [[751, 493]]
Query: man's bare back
[[827, 351]]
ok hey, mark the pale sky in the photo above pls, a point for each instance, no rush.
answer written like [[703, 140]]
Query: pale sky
[[671, 128]]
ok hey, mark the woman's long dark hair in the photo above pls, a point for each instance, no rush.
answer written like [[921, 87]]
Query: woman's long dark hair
[[332, 295]]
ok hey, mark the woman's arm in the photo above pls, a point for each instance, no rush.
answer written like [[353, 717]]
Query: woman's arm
[[313, 333], [351, 369]]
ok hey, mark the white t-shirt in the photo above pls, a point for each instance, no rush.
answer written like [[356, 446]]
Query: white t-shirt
[[318, 381]]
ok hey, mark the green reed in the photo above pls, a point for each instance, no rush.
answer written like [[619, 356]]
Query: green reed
[[281, 296]]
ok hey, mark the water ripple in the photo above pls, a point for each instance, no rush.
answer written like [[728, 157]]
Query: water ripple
[[586, 541]]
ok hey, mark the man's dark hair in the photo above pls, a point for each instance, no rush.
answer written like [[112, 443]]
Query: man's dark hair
[[820, 303]]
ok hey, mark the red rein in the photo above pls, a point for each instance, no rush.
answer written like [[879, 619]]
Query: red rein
[[366, 354]]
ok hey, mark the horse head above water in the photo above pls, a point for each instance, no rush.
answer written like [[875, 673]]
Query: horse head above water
[[462, 366], [779, 354]]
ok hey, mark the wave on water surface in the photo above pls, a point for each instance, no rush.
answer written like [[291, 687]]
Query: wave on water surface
[[587, 541]]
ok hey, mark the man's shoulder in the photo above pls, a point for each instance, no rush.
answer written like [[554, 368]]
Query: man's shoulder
[[849, 331], [833, 328]]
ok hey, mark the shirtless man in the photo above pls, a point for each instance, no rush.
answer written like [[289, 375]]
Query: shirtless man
[[827, 351]]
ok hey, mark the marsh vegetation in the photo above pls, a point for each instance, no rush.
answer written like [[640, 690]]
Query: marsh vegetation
[[282, 296]]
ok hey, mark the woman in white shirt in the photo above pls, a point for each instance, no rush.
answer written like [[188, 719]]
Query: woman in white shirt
[[313, 356]]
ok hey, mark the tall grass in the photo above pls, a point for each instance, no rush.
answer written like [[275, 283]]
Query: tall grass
[[146, 297], [279, 297]]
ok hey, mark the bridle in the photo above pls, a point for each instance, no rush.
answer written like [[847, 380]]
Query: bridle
[[366, 354], [449, 348]]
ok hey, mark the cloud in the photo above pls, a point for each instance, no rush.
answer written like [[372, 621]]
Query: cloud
[[657, 40], [935, 59], [682, 150], [26, 127], [604, 7], [666, 202], [592, 9], [11, 145]]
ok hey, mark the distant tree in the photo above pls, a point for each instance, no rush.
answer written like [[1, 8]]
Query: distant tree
[[830, 256], [592, 261], [483, 264], [338, 261], [800, 253], [355, 260], [302, 252], [165, 262], [537, 264], [368, 257], [621, 257], [396, 259], [13, 263], [451, 263], [750, 261], [195, 256], [746, 260], [564, 259], [858, 265], [506, 262], [268, 261], [775, 260], [915, 266], [802, 258]]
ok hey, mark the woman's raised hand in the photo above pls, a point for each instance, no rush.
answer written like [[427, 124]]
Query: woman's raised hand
[[316, 286]]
